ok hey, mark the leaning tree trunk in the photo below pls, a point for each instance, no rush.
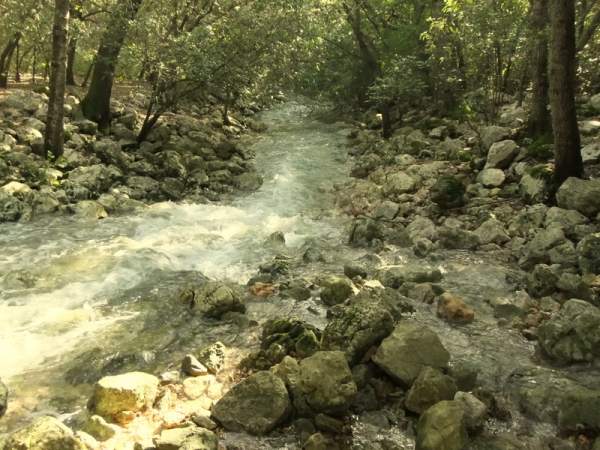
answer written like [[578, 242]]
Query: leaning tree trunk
[[567, 143], [54, 139], [6, 57], [539, 123], [96, 104], [71, 62]]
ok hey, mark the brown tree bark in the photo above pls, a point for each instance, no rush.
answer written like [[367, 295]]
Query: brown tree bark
[[6, 57], [96, 104], [54, 138], [540, 122], [567, 143]]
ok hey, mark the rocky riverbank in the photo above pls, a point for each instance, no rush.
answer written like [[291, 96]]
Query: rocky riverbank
[[189, 156], [462, 315]]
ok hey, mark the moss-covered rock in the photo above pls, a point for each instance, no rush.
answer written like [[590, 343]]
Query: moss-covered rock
[[45, 433], [442, 427]]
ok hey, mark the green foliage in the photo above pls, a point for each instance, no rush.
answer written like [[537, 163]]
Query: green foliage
[[541, 149], [402, 81]]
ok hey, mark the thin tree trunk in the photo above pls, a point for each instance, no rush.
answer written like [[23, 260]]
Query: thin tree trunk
[[71, 62], [6, 57], [88, 73], [54, 138], [96, 104], [540, 122], [567, 143], [34, 66], [18, 64]]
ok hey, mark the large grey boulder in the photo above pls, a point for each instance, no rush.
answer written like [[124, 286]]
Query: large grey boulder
[[492, 134], [580, 195], [97, 178], [45, 433], [256, 405], [399, 183], [409, 348], [214, 299], [324, 384], [501, 154], [430, 387], [442, 427], [573, 334], [358, 326]]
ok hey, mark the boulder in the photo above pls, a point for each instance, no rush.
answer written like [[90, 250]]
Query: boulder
[[448, 192], [97, 178], [364, 231], [3, 398], [409, 348], [588, 253], [188, 438], [591, 153], [422, 228], [595, 102], [430, 387], [358, 326], [492, 231], [396, 276], [213, 357], [129, 392], [442, 427], [475, 410], [573, 334], [214, 299], [11, 208], [580, 195], [501, 154], [89, 209], [256, 405], [324, 384], [192, 367], [335, 290], [492, 134], [15, 189], [399, 183], [45, 433], [491, 178]]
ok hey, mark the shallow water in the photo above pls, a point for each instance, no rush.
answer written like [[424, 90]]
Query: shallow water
[[64, 282]]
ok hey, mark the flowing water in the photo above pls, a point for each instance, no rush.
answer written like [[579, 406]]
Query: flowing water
[[64, 282], [79, 299]]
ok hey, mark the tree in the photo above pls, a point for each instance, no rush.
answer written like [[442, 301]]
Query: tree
[[96, 104], [54, 138], [539, 122], [567, 144]]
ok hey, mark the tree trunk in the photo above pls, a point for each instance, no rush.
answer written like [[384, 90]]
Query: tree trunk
[[6, 57], [386, 120], [88, 73], [54, 139], [567, 143], [18, 64], [71, 62], [96, 104], [539, 123]]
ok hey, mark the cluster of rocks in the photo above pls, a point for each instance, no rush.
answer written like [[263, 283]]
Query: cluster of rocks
[[190, 156]]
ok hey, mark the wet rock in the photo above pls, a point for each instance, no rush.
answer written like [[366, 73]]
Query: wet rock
[[364, 231], [129, 392], [475, 410], [492, 231], [358, 326], [89, 209], [448, 192], [335, 290], [491, 178], [407, 350], [319, 441], [256, 405], [512, 306], [192, 367], [588, 252], [98, 428], [430, 387], [501, 154], [45, 433], [188, 438], [454, 238], [422, 228], [355, 270], [248, 182], [329, 424], [214, 299], [543, 280], [572, 335], [580, 195], [213, 357], [3, 398], [394, 277], [323, 384], [454, 309], [442, 427]]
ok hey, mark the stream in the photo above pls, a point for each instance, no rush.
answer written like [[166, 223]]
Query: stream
[[78, 299]]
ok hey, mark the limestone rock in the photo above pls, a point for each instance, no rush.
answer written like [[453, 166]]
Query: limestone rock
[[475, 410], [572, 335], [214, 299], [492, 134], [430, 387], [335, 290], [132, 392], [491, 178], [442, 427], [188, 438], [192, 367], [256, 405], [588, 252], [501, 154], [213, 357], [407, 350], [399, 183], [580, 195], [324, 384], [45, 433]]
